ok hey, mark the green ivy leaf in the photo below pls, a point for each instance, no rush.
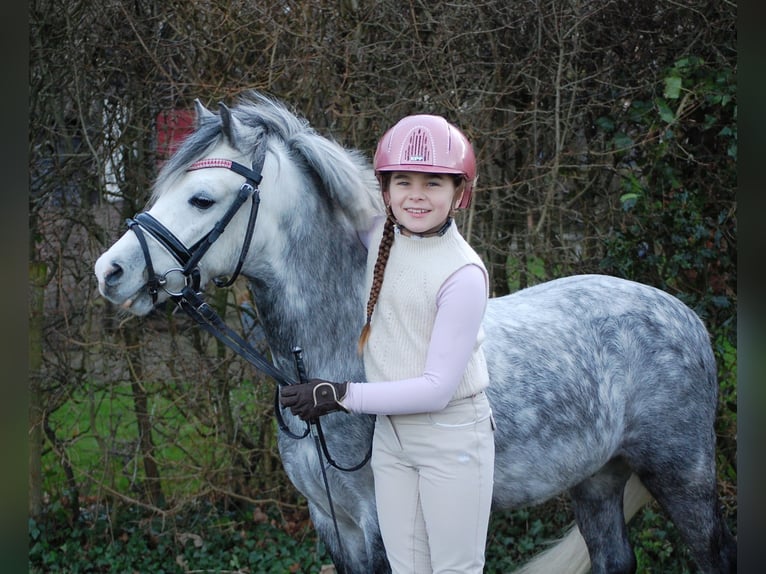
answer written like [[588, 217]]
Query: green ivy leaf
[[672, 87], [622, 140], [667, 115], [605, 124], [628, 200]]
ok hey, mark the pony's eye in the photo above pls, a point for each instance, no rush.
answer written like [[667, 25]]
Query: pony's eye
[[201, 202]]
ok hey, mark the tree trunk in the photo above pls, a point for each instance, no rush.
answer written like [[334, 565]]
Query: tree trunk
[[153, 486], [238, 466]]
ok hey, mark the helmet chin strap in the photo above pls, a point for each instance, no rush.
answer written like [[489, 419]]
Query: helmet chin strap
[[435, 233], [441, 230]]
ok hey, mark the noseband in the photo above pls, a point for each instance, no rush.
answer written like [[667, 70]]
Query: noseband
[[189, 258]]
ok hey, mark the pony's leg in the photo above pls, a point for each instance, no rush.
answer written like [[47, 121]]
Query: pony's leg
[[690, 499], [598, 508], [360, 550]]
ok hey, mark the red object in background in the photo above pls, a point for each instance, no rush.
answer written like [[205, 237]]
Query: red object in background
[[172, 128]]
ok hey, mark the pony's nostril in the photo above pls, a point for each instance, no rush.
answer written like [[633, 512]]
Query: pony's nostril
[[113, 275]]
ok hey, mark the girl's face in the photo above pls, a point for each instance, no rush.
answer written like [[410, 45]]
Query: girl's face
[[421, 202]]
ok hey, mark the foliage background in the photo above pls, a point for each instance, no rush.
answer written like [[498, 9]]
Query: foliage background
[[607, 141]]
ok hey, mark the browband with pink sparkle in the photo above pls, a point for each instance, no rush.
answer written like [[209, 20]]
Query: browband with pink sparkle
[[211, 162], [252, 176]]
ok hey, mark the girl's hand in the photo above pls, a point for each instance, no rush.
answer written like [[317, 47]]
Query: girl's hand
[[311, 400]]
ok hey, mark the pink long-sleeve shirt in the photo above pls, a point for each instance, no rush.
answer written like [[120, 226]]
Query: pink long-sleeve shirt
[[460, 302]]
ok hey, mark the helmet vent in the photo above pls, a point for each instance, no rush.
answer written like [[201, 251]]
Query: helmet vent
[[418, 149]]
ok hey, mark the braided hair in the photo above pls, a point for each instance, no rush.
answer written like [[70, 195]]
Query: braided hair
[[384, 250]]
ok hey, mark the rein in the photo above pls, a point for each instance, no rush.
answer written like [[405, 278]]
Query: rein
[[210, 321]]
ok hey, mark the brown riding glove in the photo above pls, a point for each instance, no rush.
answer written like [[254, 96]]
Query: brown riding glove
[[313, 399]]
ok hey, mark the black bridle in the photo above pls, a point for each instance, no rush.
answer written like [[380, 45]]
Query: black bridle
[[190, 300], [189, 258]]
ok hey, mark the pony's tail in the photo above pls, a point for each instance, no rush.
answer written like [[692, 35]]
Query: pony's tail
[[570, 554]]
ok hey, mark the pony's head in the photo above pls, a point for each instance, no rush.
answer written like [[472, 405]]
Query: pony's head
[[248, 181]]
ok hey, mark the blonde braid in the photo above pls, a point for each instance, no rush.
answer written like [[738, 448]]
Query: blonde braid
[[384, 250]]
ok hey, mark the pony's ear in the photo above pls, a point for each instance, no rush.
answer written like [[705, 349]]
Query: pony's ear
[[232, 127], [203, 114]]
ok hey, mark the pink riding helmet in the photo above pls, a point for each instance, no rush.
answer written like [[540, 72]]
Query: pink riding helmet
[[428, 144]]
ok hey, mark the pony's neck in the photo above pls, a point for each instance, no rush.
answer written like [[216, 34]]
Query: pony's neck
[[315, 301]]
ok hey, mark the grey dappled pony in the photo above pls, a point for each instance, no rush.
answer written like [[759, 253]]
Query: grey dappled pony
[[600, 386]]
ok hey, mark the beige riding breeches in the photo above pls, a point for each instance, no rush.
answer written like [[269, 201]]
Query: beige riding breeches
[[433, 487]]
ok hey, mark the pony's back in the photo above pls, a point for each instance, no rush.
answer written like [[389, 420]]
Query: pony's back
[[615, 354]]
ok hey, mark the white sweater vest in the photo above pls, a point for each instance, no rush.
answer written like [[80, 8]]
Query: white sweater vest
[[406, 309]]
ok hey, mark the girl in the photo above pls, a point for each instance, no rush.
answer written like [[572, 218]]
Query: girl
[[433, 446]]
